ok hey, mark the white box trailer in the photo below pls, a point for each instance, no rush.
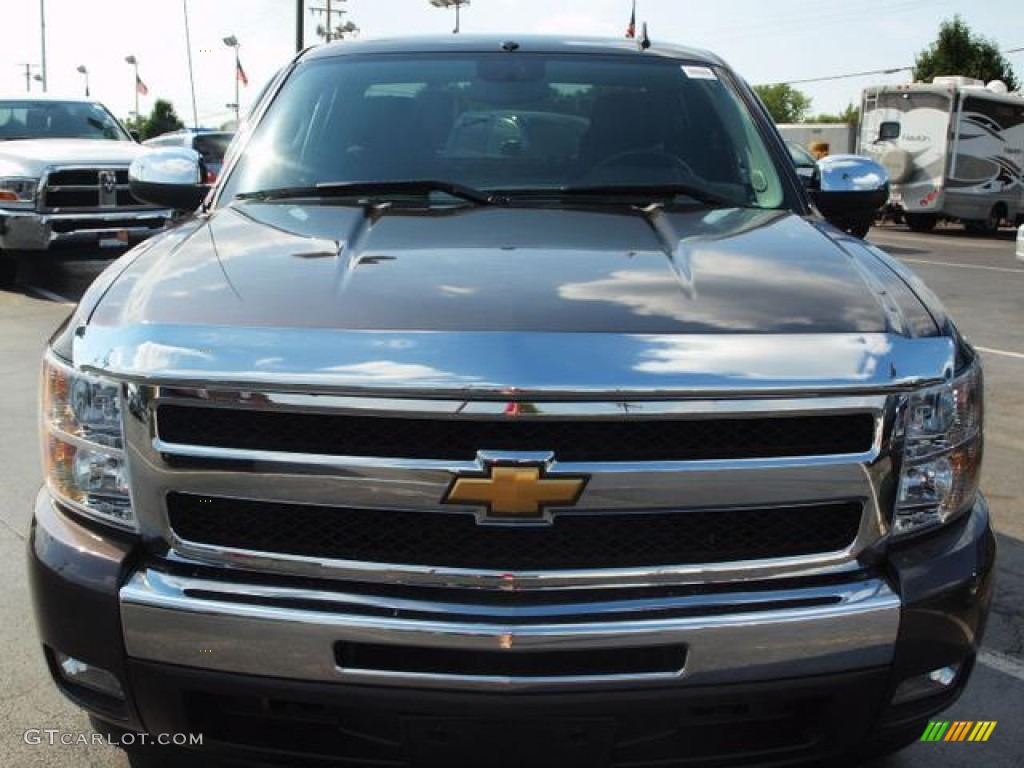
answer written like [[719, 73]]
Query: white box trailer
[[840, 137], [954, 149]]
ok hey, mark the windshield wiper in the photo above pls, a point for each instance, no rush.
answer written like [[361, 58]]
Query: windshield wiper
[[374, 189], [626, 193]]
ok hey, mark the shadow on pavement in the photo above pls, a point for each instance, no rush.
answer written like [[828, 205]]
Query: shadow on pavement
[[1005, 632], [58, 280]]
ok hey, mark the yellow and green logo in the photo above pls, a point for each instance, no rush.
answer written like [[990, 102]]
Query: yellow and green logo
[[959, 730]]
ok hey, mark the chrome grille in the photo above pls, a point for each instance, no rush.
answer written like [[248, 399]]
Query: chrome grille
[[698, 515], [81, 189]]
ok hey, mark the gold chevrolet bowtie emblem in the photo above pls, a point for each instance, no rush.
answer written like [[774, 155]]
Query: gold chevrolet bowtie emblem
[[516, 493]]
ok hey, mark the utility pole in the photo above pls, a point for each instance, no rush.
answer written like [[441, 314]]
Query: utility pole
[[300, 25], [327, 30], [42, 30]]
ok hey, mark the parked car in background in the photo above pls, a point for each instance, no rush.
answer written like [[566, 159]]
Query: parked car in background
[[64, 183], [803, 160], [809, 169], [1020, 242], [211, 146]]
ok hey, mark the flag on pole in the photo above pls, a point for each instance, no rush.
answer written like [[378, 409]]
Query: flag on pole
[[242, 77], [631, 29], [140, 87]]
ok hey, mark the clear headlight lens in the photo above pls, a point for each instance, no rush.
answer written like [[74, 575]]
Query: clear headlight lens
[[18, 192], [83, 445], [942, 453]]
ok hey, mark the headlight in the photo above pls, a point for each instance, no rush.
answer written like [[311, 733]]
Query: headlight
[[18, 193], [83, 445], [942, 440]]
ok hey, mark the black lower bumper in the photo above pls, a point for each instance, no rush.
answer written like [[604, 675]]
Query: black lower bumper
[[944, 580], [780, 722]]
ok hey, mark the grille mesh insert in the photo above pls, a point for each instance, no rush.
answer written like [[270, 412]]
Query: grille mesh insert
[[460, 439], [610, 539]]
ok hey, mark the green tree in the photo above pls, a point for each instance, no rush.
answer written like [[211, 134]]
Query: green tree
[[162, 119], [850, 115], [958, 51], [784, 103]]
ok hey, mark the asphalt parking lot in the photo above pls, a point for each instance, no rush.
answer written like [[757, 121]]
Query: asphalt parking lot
[[979, 280]]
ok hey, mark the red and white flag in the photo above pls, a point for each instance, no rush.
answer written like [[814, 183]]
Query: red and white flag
[[242, 77], [140, 87], [631, 29]]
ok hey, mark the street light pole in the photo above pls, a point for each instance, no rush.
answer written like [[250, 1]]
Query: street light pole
[[456, 4], [135, 64], [85, 71], [191, 76], [232, 42]]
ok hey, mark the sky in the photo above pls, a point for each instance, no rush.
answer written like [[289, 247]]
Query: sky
[[764, 40]]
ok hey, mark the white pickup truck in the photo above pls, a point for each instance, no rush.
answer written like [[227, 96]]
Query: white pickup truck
[[64, 183]]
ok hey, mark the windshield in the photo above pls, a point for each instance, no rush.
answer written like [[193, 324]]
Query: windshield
[[517, 123], [57, 120]]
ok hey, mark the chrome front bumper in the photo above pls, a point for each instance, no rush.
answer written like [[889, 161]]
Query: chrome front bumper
[[116, 228], [291, 633]]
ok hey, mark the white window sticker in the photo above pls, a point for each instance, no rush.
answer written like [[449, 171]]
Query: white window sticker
[[699, 73]]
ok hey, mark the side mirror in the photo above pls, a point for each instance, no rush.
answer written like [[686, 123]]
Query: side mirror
[[136, 136], [171, 177], [850, 185]]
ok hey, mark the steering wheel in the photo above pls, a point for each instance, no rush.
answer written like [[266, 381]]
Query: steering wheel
[[648, 158]]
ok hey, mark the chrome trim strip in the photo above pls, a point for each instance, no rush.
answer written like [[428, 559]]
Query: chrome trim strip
[[435, 576], [562, 410], [287, 461], [163, 623], [584, 605], [476, 365]]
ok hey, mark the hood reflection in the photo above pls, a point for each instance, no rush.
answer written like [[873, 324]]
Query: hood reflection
[[583, 270]]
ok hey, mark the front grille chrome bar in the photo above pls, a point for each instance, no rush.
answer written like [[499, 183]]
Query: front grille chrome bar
[[246, 629]]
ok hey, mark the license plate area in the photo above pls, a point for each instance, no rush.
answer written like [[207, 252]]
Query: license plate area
[[436, 742], [116, 240]]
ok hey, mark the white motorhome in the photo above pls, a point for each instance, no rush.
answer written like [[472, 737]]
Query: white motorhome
[[954, 149]]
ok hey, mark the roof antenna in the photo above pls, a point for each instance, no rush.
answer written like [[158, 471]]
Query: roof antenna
[[644, 42]]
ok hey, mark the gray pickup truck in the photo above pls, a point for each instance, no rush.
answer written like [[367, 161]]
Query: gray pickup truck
[[576, 438], [64, 183]]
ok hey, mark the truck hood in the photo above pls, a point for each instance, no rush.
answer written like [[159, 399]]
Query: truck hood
[[579, 302], [31, 156], [501, 269]]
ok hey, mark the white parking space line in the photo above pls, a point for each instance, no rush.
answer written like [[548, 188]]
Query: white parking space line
[[1001, 352], [1002, 663], [48, 295], [896, 238], [961, 266]]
